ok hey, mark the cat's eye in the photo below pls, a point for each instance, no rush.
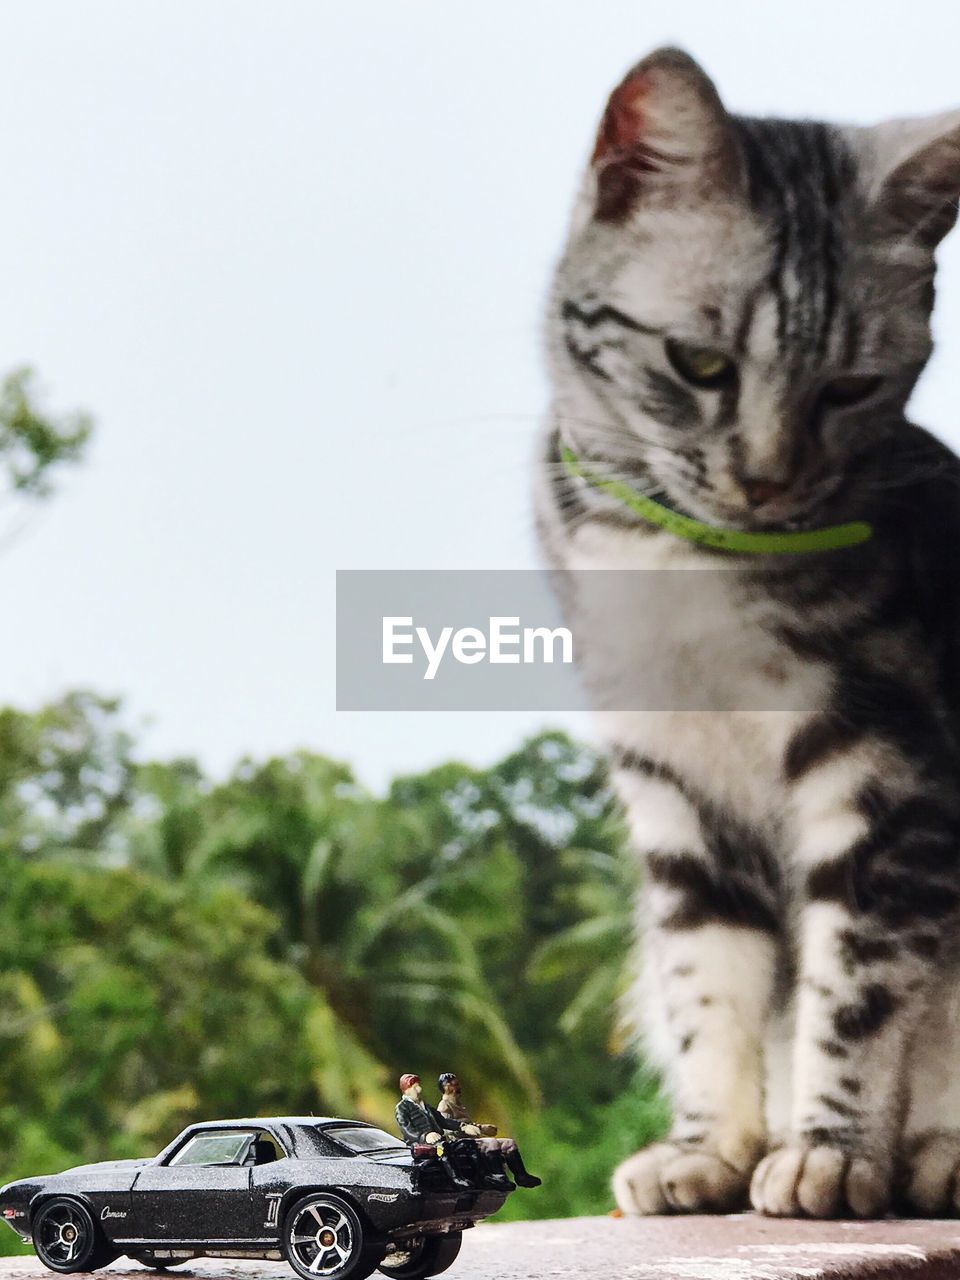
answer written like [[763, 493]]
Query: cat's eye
[[849, 390], [703, 366]]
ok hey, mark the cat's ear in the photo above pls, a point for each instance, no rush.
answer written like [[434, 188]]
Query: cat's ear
[[664, 129], [913, 174]]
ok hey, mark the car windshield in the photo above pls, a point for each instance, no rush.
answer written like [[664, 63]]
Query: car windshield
[[362, 1138], [213, 1148]]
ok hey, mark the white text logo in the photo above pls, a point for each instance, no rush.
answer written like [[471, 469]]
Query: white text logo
[[504, 642]]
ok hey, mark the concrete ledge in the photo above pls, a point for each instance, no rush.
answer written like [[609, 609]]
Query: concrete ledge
[[741, 1247]]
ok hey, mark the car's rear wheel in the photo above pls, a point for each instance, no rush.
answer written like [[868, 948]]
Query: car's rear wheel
[[66, 1237], [324, 1237], [431, 1256]]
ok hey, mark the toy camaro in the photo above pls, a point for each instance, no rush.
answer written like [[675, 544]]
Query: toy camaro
[[334, 1198]]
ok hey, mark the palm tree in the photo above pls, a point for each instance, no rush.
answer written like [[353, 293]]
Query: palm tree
[[358, 892]]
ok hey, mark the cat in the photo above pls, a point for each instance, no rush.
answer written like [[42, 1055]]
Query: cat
[[734, 329]]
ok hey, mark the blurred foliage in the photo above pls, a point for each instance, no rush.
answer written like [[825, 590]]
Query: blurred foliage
[[174, 949], [33, 444]]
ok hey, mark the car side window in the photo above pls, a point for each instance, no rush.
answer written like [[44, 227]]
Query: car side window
[[221, 1146], [263, 1150]]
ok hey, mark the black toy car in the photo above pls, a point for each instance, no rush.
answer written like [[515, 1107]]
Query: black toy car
[[334, 1198]]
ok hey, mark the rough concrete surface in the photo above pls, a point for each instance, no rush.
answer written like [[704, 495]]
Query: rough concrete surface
[[740, 1247]]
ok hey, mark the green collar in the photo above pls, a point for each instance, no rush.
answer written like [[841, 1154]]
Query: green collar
[[793, 543]]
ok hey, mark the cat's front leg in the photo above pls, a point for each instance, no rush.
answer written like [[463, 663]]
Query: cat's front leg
[[930, 1150], [708, 971], [869, 933], [853, 1026], [709, 988]]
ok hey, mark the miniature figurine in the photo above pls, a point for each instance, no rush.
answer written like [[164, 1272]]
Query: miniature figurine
[[451, 1108], [418, 1122]]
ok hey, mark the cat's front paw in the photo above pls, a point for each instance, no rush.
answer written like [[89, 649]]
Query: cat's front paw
[[819, 1182], [932, 1177], [672, 1178]]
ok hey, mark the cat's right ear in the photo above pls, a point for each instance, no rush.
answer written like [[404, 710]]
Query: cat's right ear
[[664, 130]]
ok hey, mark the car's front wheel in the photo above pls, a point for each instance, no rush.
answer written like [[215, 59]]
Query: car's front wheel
[[66, 1237], [324, 1237], [432, 1255]]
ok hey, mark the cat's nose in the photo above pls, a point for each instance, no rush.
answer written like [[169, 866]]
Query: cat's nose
[[760, 491]]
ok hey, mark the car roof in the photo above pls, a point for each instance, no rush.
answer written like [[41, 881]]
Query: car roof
[[256, 1122]]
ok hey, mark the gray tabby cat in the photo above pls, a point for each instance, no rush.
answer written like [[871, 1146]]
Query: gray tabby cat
[[736, 325]]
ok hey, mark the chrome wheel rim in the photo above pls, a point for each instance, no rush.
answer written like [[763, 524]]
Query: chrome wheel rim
[[63, 1234], [322, 1238]]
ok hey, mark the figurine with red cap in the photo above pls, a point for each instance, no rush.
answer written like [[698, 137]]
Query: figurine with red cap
[[418, 1122]]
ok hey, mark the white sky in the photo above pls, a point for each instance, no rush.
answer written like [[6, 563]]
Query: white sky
[[292, 256]]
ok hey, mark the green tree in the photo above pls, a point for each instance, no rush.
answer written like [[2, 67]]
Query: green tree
[[129, 1006], [34, 445], [361, 918], [470, 919], [65, 776]]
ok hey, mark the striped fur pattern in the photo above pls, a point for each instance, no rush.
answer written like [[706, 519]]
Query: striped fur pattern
[[735, 327]]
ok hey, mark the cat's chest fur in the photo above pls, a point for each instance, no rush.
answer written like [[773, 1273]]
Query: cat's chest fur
[[685, 665]]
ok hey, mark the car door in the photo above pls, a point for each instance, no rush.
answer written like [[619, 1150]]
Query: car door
[[270, 1178], [200, 1194]]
